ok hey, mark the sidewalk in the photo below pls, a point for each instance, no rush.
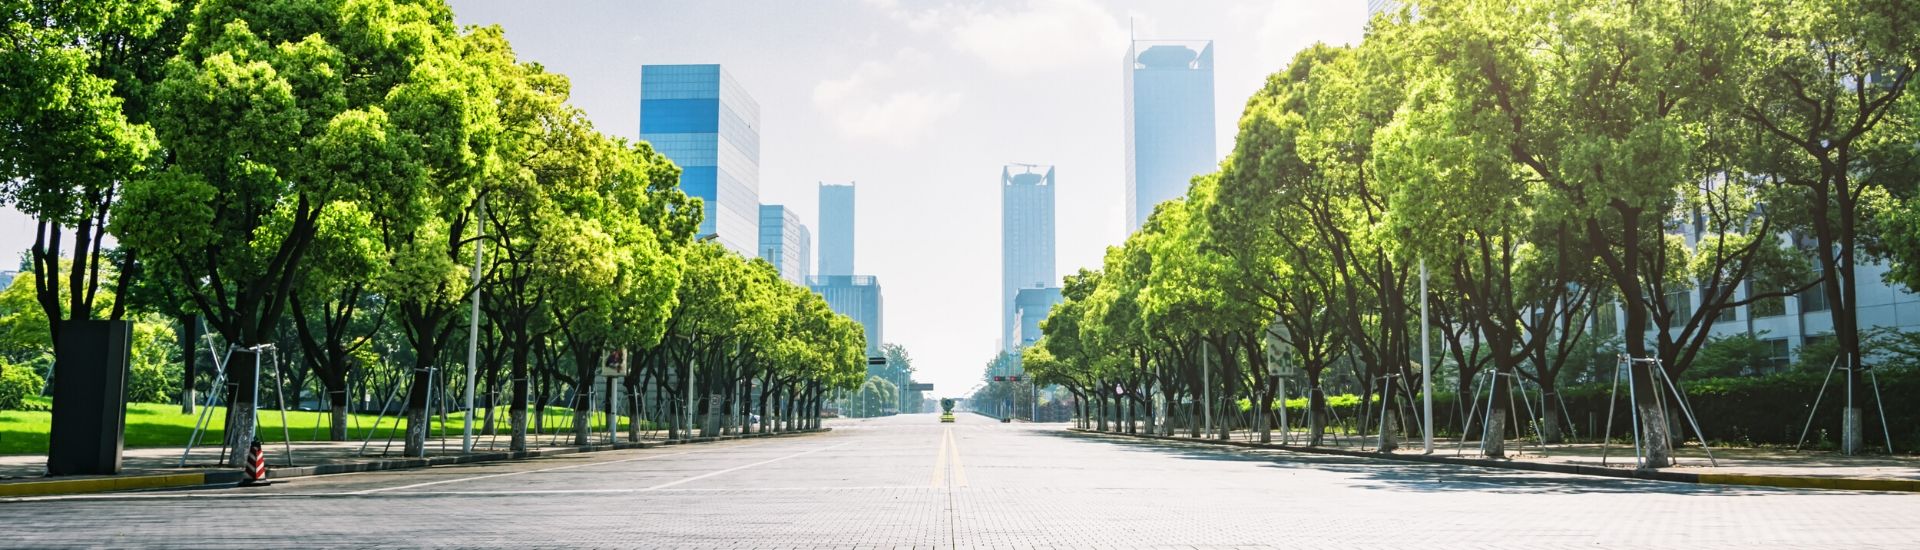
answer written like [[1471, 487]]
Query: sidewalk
[[160, 467], [1735, 466]]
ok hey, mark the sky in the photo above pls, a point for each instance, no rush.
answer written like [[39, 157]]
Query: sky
[[919, 104]]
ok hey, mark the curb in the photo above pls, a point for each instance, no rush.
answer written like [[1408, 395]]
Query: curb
[[220, 477], [1789, 482], [105, 484]]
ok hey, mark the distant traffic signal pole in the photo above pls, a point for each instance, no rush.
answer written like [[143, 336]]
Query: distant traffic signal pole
[[1006, 407]]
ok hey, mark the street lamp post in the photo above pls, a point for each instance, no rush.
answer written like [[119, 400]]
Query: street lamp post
[[473, 323], [1426, 368], [1206, 392]]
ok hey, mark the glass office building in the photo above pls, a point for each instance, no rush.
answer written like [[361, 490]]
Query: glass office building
[[1026, 240], [857, 297], [1030, 306], [785, 242], [703, 120], [836, 229], [1169, 126], [1374, 7]]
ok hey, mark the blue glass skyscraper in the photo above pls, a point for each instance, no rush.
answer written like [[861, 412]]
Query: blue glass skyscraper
[[703, 120], [836, 229], [1169, 122], [857, 297], [1026, 240], [785, 242]]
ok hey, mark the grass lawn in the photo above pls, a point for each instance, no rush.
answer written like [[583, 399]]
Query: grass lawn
[[162, 425]]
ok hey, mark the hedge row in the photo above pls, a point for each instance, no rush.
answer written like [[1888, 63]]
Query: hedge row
[[1752, 410]]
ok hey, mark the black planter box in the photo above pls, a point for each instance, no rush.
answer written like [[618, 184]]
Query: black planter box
[[89, 397]]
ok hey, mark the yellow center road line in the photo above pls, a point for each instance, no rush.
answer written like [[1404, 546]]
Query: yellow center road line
[[940, 458], [959, 470]]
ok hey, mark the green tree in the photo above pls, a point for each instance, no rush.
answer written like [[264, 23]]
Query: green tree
[[1822, 80], [1610, 111], [335, 313], [1272, 244], [74, 109]]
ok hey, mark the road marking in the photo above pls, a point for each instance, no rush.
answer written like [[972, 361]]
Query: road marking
[[959, 470], [738, 468], [652, 490], [940, 460], [491, 476]]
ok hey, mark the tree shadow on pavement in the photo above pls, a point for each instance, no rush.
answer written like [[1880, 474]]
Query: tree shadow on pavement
[[1392, 475]]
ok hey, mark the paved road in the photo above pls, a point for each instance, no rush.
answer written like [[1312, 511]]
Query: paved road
[[912, 482]]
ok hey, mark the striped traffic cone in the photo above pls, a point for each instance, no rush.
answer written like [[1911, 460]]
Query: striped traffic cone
[[255, 469]]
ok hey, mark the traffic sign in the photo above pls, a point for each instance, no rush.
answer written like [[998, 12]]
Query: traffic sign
[[614, 364]]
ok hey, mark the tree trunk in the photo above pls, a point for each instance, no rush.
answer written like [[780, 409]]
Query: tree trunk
[[1653, 422], [634, 408], [517, 409], [1316, 409], [582, 412], [1194, 417], [337, 429], [1389, 437], [1493, 437], [417, 419], [1263, 413], [1550, 416]]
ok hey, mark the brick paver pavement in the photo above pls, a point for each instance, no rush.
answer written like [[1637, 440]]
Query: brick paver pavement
[[912, 482]]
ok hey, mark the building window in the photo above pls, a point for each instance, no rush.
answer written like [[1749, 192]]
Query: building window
[[1779, 356], [1767, 307], [1606, 321], [1814, 299], [1680, 302], [1817, 340]]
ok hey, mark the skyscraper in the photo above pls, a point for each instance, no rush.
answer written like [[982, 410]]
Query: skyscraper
[[858, 297], [1374, 7], [785, 242], [1169, 123], [836, 229], [1026, 238], [1030, 306], [703, 120]]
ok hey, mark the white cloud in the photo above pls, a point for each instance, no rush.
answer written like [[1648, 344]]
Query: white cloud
[[1038, 35], [868, 103]]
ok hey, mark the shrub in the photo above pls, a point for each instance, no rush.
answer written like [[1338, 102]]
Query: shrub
[[153, 382], [1740, 354], [17, 383]]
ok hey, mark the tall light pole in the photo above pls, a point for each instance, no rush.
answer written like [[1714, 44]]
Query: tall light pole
[[1206, 392], [1426, 367], [473, 322]]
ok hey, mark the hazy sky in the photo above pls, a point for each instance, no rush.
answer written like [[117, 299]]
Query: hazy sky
[[919, 104]]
